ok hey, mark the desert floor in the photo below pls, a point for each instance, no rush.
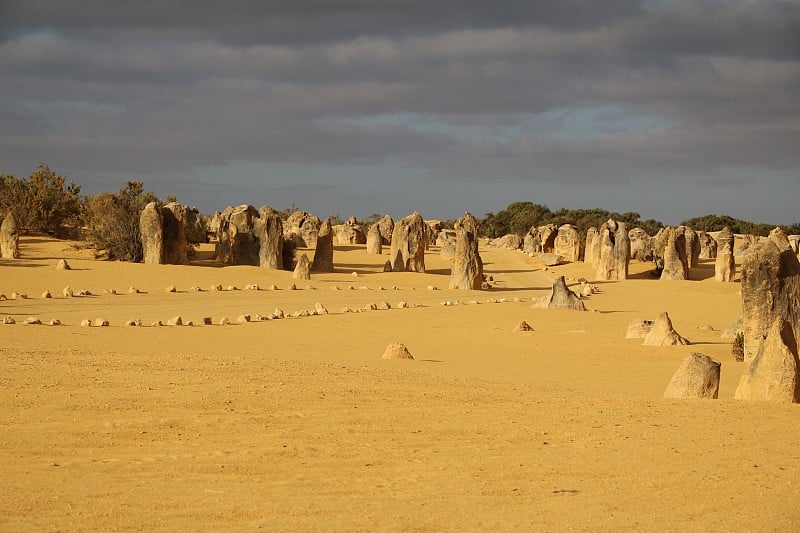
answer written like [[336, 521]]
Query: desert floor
[[299, 424]]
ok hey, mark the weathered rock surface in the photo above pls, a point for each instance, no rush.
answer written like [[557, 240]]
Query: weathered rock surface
[[237, 243], [663, 334], [303, 229], [708, 246], [349, 233], [772, 373], [269, 233], [560, 297], [733, 328], [770, 291], [692, 247], [467, 271], [63, 265], [592, 250], [9, 238], [523, 326], [386, 226], [151, 226], [641, 245], [676, 263], [323, 255], [697, 377], [374, 240], [397, 350], [409, 241], [303, 268], [175, 248], [725, 264], [567, 243], [550, 259], [615, 252], [512, 241]]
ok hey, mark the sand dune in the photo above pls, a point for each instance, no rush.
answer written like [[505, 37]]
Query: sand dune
[[299, 424]]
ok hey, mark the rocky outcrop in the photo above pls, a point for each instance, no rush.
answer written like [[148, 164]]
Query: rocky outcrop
[[349, 233], [567, 243], [692, 247], [697, 377], [323, 255], [770, 291], [386, 226], [237, 242], [302, 228], [592, 251], [615, 252], [269, 232], [151, 227], [9, 238], [175, 246], [708, 246], [303, 268], [560, 297], [663, 334], [641, 245], [512, 241], [725, 264], [467, 271], [374, 240], [676, 264], [409, 241], [772, 373]]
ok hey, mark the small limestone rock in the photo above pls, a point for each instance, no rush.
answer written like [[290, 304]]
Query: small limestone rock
[[133, 290], [175, 321], [252, 287], [207, 321], [232, 288], [224, 321], [346, 310], [697, 377], [84, 292], [32, 320], [550, 259], [216, 288], [63, 265], [156, 324], [402, 305], [243, 319], [354, 274], [171, 288], [384, 306], [397, 350], [320, 309], [560, 297], [100, 323], [370, 307], [86, 323], [55, 322], [292, 287], [663, 334], [133, 322], [195, 288], [523, 326], [273, 287], [303, 268], [46, 295], [433, 288], [387, 266], [110, 291]]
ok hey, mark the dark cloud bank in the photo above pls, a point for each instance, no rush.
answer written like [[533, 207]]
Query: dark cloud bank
[[673, 108]]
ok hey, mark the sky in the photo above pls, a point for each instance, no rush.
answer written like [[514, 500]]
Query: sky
[[672, 109]]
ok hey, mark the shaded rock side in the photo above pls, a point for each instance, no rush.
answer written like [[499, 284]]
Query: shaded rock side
[[175, 246], [663, 334], [323, 255], [9, 238], [237, 243], [692, 247], [771, 375], [725, 263], [697, 377], [386, 226], [302, 228], [641, 245], [409, 241], [770, 290], [708, 246], [467, 271], [560, 297]]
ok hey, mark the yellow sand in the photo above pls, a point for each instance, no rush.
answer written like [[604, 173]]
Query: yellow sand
[[298, 424]]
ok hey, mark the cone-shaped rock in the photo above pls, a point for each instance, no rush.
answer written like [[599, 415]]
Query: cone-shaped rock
[[770, 290], [725, 264], [397, 350], [697, 377], [9, 238], [467, 272], [771, 375], [63, 265], [561, 297], [303, 268], [523, 326], [663, 334], [269, 231], [323, 255], [409, 240]]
